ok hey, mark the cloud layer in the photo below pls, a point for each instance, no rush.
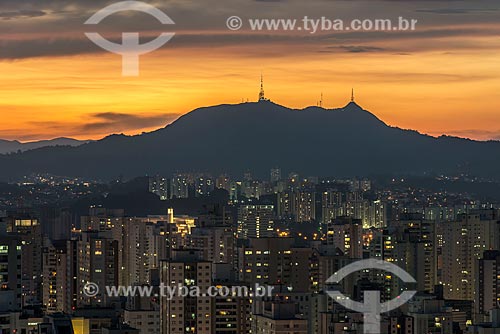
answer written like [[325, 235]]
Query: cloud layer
[[441, 76], [97, 124], [53, 27]]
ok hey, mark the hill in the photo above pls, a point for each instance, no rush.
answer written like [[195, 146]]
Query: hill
[[10, 146], [348, 141]]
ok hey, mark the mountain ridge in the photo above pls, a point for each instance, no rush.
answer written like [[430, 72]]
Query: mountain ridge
[[10, 146], [233, 138]]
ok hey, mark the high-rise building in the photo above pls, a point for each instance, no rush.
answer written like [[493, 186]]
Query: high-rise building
[[431, 315], [146, 321], [17, 322], [308, 306], [143, 313], [414, 250], [377, 215], [216, 242], [487, 285], [490, 327], [464, 242], [223, 182], [277, 318], [232, 315], [265, 260], [98, 259], [141, 241], [191, 314], [329, 261], [299, 206], [10, 274], [329, 201], [276, 261], [204, 185], [275, 175], [401, 324], [214, 216], [346, 234], [360, 185], [179, 186], [141, 248], [255, 221], [252, 189], [352, 204], [27, 228], [56, 223], [158, 186], [112, 224], [60, 276]]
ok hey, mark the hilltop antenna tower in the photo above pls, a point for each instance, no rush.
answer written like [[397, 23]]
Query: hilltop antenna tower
[[320, 104], [262, 96], [352, 95]]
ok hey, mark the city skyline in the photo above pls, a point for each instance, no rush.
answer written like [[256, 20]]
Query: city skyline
[[249, 167], [89, 269]]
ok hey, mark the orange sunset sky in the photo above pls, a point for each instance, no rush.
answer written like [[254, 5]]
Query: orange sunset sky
[[443, 78]]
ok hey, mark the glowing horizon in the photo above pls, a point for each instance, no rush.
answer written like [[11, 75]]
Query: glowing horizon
[[440, 79]]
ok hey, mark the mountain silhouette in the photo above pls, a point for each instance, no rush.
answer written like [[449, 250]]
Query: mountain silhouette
[[10, 146], [348, 141]]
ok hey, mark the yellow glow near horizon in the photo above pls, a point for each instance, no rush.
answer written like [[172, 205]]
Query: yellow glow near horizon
[[433, 92]]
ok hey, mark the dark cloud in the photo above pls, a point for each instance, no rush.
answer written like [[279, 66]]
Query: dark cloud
[[12, 49], [62, 6], [20, 14], [305, 42], [446, 11], [48, 47], [360, 48], [196, 27], [103, 123], [352, 49], [110, 121]]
